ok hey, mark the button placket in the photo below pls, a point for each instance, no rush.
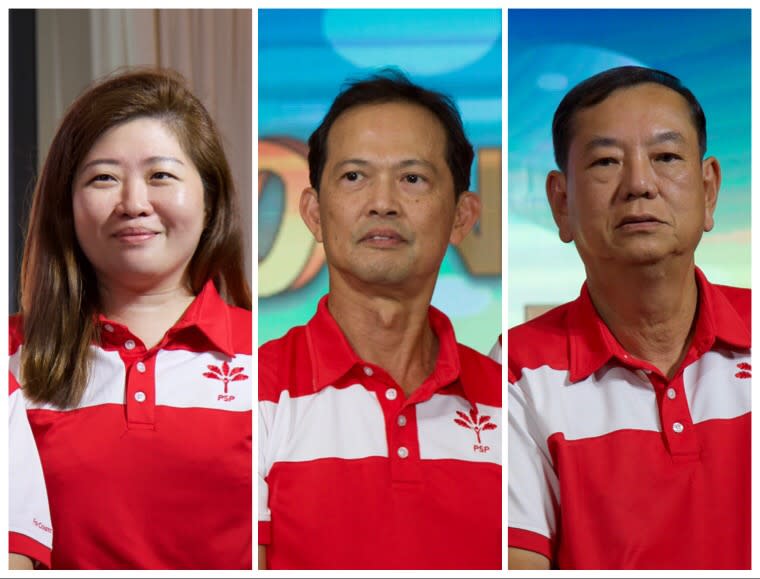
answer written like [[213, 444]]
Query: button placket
[[675, 419], [140, 389], [403, 445]]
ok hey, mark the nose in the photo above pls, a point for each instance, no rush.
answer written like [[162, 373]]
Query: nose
[[135, 198], [383, 198], [640, 179]]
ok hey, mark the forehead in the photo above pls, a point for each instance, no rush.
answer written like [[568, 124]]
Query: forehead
[[394, 128], [635, 111], [145, 132]]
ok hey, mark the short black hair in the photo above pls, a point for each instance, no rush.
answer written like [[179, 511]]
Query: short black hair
[[595, 89], [390, 85]]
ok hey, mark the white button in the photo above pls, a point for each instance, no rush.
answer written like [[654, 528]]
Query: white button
[[368, 371], [677, 427], [391, 394], [140, 396], [402, 452], [401, 420], [129, 344], [671, 393], [108, 328], [140, 367]]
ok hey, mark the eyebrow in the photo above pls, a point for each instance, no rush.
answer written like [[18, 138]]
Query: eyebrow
[[400, 165], [597, 142], [667, 137], [148, 161], [663, 137]]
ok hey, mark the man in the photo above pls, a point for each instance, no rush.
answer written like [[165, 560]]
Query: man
[[629, 408], [379, 434]]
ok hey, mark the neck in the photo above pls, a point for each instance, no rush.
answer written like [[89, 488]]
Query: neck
[[389, 329], [147, 313], [650, 310]]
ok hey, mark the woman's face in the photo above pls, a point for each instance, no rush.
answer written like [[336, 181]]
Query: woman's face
[[138, 206]]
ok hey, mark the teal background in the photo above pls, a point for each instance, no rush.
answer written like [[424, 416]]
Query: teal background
[[305, 56]]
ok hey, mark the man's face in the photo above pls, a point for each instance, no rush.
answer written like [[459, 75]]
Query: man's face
[[386, 208], [636, 189]]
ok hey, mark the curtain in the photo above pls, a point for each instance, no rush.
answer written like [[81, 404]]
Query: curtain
[[211, 48]]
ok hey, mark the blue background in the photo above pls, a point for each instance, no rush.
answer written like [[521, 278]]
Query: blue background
[[552, 50]]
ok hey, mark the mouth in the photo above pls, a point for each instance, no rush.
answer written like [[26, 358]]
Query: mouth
[[382, 238], [135, 235], [642, 221]]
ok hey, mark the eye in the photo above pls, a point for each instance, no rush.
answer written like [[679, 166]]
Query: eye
[[604, 162], [102, 178], [413, 178], [162, 175], [668, 157], [351, 176]]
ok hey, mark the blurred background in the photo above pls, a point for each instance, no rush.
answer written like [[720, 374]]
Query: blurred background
[[56, 54], [552, 50], [304, 58]]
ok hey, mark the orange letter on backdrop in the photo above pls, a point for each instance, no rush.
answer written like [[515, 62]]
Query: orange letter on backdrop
[[295, 258]]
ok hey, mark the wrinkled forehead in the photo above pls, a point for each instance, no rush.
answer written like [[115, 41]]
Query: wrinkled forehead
[[396, 128], [635, 110]]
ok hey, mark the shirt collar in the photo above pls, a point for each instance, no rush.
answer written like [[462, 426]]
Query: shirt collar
[[332, 356], [207, 317], [591, 344]]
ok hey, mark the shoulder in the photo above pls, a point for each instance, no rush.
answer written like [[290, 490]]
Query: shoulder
[[240, 328], [13, 384], [473, 362], [15, 333], [538, 342], [241, 319], [739, 297], [284, 362], [481, 375]]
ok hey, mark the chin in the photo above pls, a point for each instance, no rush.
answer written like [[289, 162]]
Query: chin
[[381, 275]]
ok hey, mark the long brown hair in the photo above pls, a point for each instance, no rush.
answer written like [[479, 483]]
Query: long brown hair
[[59, 289]]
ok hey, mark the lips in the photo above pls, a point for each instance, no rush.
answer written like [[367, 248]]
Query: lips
[[635, 219], [135, 234], [384, 235]]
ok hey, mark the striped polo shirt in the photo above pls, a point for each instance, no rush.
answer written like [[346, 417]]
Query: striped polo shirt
[[152, 470], [614, 466], [353, 474]]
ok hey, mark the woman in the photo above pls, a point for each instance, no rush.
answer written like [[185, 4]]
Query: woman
[[136, 373]]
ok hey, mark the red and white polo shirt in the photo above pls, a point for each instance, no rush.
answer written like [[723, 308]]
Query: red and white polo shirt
[[355, 475], [29, 530], [612, 465], [153, 469], [496, 351]]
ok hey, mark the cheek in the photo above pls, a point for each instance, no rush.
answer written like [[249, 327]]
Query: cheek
[[88, 212], [184, 209]]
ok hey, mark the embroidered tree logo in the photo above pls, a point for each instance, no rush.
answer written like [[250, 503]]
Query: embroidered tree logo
[[225, 374], [474, 422], [745, 370]]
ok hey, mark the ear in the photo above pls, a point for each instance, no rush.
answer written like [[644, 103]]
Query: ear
[[556, 193], [466, 214], [309, 208], [711, 178]]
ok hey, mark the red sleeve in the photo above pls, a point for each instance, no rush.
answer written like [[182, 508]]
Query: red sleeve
[[265, 532], [530, 541], [23, 545]]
